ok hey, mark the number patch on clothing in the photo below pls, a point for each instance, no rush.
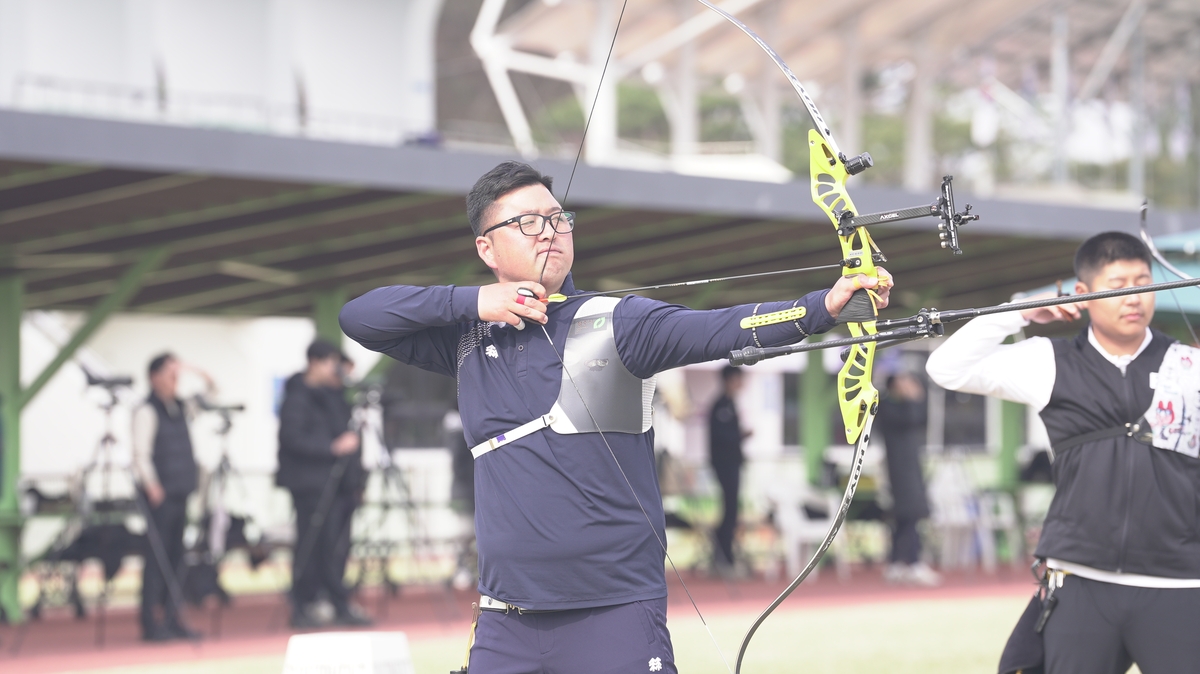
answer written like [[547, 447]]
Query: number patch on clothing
[[1173, 412]]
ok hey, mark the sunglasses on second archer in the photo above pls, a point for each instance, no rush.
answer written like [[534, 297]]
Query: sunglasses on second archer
[[533, 224]]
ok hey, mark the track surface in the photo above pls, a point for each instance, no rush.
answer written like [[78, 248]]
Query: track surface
[[255, 625]]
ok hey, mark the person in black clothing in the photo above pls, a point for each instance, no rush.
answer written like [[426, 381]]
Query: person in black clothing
[[320, 454], [901, 420], [725, 437], [166, 473]]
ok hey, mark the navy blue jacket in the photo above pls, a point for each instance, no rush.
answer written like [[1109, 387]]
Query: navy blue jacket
[[556, 523]]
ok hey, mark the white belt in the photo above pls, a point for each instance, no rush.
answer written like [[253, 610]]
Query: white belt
[[515, 434]]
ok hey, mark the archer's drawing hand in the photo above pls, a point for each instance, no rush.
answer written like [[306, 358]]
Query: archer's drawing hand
[[500, 302], [1061, 312], [846, 286]]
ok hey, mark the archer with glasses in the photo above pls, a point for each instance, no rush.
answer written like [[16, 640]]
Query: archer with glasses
[[554, 391]]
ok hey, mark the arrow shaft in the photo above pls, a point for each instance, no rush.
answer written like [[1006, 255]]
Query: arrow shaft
[[683, 284], [964, 314]]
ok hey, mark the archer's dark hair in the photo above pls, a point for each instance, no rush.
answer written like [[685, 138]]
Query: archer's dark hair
[[1105, 248], [160, 361], [729, 372], [506, 177]]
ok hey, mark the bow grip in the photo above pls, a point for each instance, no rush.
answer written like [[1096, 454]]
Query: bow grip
[[860, 309]]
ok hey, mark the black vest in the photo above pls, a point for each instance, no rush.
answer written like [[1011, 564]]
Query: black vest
[[172, 457], [1119, 504]]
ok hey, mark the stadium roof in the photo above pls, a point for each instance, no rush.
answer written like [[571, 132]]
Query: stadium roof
[[256, 224]]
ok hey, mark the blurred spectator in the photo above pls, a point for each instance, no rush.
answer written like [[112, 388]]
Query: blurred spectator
[[165, 469], [320, 463], [901, 420], [725, 437]]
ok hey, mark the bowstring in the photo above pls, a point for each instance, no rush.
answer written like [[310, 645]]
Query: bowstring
[[571, 378], [661, 543], [1183, 315], [587, 124]]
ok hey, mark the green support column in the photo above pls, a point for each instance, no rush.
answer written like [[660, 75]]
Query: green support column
[[816, 399], [13, 399], [326, 307], [12, 288], [1012, 436]]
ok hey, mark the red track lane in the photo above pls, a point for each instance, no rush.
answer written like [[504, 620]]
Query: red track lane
[[255, 625]]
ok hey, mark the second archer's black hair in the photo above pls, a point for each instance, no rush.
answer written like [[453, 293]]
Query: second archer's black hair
[[1105, 248], [509, 176]]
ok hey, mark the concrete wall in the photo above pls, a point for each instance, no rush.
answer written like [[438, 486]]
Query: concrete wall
[[247, 357]]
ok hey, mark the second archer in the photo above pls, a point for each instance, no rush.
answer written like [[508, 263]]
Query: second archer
[[555, 401]]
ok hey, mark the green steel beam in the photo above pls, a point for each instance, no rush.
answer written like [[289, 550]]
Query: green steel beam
[[816, 404], [1012, 436], [11, 289], [327, 304], [325, 276], [599, 242], [300, 302], [42, 175], [380, 369], [105, 196], [126, 288], [679, 247], [703, 298], [264, 258], [175, 220]]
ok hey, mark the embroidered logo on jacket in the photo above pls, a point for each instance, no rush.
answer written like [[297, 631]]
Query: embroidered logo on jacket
[[656, 664], [491, 351]]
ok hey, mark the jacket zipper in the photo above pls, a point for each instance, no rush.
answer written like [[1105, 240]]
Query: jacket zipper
[[1128, 481]]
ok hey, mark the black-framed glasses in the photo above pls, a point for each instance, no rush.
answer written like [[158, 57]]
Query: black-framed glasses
[[533, 224]]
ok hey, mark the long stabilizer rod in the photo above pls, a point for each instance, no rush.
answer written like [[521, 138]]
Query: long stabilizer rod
[[929, 322]]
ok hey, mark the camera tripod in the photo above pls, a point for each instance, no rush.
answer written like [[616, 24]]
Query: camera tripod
[[220, 531], [376, 547]]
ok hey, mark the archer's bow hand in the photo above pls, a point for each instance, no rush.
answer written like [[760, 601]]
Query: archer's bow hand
[[846, 286], [1061, 312]]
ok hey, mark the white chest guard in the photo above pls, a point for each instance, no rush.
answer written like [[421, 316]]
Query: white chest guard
[[619, 401]]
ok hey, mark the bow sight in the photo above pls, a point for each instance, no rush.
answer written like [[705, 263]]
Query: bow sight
[[942, 208]]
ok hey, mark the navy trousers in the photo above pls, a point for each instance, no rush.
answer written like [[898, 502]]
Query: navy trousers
[[169, 520], [1102, 628], [621, 639]]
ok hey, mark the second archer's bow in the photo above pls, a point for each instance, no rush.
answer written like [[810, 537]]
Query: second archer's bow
[[1162, 261], [858, 399]]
